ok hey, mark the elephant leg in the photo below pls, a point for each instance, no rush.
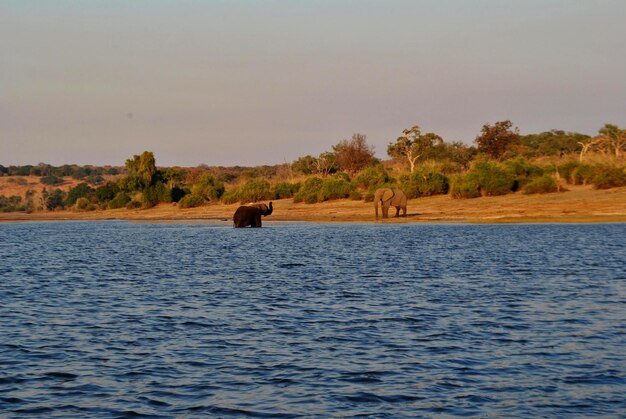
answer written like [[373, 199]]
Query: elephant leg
[[397, 212], [257, 221]]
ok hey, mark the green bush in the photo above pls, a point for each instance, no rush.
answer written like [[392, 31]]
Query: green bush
[[319, 190], [283, 190], [492, 178], [462, 186], [52, 180], [191, 201], [79, 191], [53, 200], [120, 200], [208, 188], [83, 204], [11, 203], [606, 177], [106, 192], [252, 191], [308, 192], [543, 184], [524, 171], [94, 179], [522, 168], [424, 182], [372, 178], [335, 188], [576, 173]]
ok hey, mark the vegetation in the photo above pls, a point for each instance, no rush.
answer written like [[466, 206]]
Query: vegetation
[[422, 164]]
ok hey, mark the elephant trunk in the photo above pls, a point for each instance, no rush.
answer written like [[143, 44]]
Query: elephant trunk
[[270, 209]]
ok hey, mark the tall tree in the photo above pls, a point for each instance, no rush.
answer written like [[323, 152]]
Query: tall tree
[[412, 145], [143, 167], [354, 154], [614, 137], [494, 139]]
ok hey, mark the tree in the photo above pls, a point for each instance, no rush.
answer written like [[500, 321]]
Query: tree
[[143, 167], [494, 139], [305, 165], [412, 145], [79, 191], [326, 163], [614, 137], [354, 154]]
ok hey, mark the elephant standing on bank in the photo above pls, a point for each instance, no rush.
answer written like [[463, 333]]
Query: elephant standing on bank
[[250, 215], [390, 198]]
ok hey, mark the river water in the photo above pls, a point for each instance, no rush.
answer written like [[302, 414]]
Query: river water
[[117, 319]]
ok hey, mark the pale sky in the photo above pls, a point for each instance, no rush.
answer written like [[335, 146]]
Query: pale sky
[[263, 82]]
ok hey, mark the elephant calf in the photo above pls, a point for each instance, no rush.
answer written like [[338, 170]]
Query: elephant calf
[[250, 215]]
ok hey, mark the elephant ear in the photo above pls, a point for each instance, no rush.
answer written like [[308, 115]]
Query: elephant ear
[[387, 194], [262, 208]]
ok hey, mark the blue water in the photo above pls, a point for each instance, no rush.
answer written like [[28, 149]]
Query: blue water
[[115, 319]]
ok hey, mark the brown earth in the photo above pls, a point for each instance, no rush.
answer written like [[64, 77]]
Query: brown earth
[[581, 204]]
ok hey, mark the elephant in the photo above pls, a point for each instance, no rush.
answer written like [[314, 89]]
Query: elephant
[[390, 198], [250, 215]]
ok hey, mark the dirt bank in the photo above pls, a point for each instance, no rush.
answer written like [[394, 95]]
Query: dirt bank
[[579, 204]]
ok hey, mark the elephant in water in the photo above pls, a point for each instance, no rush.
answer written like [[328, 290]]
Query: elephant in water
[[250, 215], [390, 198]]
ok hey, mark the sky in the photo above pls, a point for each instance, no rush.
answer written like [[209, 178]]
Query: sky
[[249, 83]]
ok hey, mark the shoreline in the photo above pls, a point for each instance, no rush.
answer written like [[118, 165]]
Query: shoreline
[[580, 204]]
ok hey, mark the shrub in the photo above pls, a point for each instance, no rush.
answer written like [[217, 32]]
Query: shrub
[[424, 182], [79, 191], [284, 190], [524, 171], [94, 179], [52, 180], [191, 201], [53, 200], [231, 196], [576, 173], [11, 203], [334, 188], [149, 197], [106, 192], [318, 190], [372, 178], [492, 178], [463, 186], [606, 177], [309, 190], [543, 184], [83, 204], [120, 200], [252, 191], [208, 188]]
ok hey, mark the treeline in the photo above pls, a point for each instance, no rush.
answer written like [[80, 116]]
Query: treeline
[[501, 161], [72, 170]]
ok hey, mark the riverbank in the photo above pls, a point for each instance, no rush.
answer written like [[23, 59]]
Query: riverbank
[[581, 204], [578, 205]]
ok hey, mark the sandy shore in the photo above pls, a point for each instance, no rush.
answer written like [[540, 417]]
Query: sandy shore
[[578, 205]]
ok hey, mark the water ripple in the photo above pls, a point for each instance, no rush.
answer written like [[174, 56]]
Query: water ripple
[[112, 319]]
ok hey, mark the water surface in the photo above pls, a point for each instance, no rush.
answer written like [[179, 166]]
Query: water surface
[[114, 319]]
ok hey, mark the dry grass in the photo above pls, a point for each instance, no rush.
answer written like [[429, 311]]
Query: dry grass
[[579, 204]]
